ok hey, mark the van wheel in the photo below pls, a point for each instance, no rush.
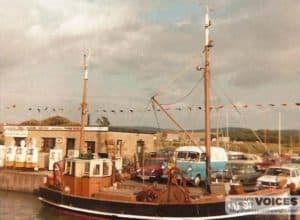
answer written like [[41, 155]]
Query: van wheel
[[197, 181]]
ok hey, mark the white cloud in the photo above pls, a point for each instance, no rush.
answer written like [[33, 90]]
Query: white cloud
[[132, 56]]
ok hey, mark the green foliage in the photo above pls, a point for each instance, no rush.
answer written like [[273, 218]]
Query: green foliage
[[31, 122], [55, 120], [86, 156], [103, 121], [51, 121], [243, 134]]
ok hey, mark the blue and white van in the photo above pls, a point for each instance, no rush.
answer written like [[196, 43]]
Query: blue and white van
[[191, 160]]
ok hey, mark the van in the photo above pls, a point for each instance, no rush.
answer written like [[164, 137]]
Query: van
[[192, 161]]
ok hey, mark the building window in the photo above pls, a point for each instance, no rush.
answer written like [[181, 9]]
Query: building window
[[18, 141], [70, 143], [90, 146], [119, 148], [48, 143]]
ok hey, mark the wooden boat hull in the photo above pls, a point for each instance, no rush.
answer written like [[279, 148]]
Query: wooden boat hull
[[140, 210]]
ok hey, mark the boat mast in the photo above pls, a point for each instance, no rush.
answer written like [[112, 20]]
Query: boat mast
[[279, 133], [207, 88], [82, 147]]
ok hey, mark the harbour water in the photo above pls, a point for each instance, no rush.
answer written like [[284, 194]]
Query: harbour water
[[26, 206]]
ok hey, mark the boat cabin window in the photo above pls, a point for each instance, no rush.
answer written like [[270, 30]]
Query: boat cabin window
[[105, 169], [86, 168], [68, 168], [294, 174], [96, 170], [73, 168]]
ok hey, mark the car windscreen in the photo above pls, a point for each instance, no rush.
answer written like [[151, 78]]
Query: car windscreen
[[295, 160], [277, 171], [237, 157], [153, 162], [238, 168]]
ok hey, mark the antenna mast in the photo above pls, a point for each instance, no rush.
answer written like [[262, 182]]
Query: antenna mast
[[207, 88], [82, 147]]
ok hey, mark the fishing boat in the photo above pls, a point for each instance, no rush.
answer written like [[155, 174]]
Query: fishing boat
[[87, 186]]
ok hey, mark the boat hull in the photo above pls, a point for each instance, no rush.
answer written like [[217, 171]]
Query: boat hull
[[140, 210]]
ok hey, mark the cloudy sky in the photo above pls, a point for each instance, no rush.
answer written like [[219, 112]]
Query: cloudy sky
[[137, 48]]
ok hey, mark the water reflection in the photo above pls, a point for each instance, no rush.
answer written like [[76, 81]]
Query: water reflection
[[23, 206]]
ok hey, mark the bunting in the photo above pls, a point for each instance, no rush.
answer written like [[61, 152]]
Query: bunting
[[43, 109]]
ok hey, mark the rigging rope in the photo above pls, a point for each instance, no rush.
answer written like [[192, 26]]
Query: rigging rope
[[244, 119], [155, 114], [163, 88], [189, 93], [145, 109]]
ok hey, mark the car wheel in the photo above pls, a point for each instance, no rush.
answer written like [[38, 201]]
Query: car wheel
[[158, 179], [197, 181]]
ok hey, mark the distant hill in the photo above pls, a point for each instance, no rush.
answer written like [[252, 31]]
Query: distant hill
[[138, 129], [235, 133], [289, 136]]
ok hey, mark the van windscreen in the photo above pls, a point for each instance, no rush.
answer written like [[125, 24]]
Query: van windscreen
[[181, 155]]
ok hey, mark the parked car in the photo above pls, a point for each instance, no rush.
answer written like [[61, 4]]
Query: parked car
[[295, 159], [153, 169], [279, 176], [240, 172], [236, 155], [254, 158], [191, 160], [270, 160]]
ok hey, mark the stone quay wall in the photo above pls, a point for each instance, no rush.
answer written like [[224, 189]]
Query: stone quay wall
[[21, 181]]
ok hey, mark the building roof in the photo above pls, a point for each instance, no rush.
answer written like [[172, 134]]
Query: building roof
[[142, 130]]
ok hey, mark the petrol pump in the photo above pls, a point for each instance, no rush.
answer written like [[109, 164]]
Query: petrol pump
[[20, 155], [2, 155], [55, 155], [32, 155], [10, 155]]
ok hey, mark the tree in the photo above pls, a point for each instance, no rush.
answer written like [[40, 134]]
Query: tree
[[55, 120], [31, 122], [103, 121]]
